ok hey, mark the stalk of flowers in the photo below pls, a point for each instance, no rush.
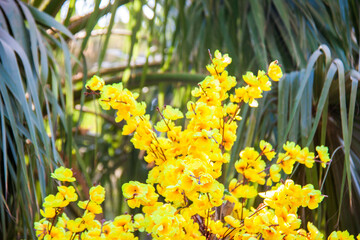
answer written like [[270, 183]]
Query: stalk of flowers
[[49, 226], [188, 162]]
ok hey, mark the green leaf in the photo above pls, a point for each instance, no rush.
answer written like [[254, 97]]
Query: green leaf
[[47, 20]]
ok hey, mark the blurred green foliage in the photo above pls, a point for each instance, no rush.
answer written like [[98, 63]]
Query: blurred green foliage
[[161, 50]]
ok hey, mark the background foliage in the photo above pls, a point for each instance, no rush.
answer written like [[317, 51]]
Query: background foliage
[[160, 50]]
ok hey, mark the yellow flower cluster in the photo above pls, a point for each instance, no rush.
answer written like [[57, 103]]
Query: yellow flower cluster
[[187, 165], [57, 225], [139, 194]]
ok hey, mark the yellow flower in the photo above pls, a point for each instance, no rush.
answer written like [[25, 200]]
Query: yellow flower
[[163, 227], [229, 138], [203, 139], [224, 58], [133, 202], [274, 71], [56, 234], [217, 228], [323, 155], [251, 79], [240, 190], [132, 189], [137, 194], [68, 193], [76, 225], [264, 82], [339, 235], [90, 206], [235, 223], [275, 172], [97, 194], [249, 154], [312, 197], [139, 222], [88, 217], [252, 94], [172, 113], [267, 150], [109, 94], [92, 234], [226, 83], [251, 226], [261, 81], [219, 63], [286, 163], [62, 220], [314, 233], [48, 213], [41, 228], [164, 125], [55, 201], [95, 83], [247, 94], [292, 149], [306, 157], [139, 110], [131, 125], [271, 233], [63, 174], [288, 222], [122, 220]]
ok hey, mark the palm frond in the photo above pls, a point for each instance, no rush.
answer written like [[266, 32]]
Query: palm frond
[[28, 153]]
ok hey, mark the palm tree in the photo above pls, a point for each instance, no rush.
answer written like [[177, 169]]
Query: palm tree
[[42, 81]]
